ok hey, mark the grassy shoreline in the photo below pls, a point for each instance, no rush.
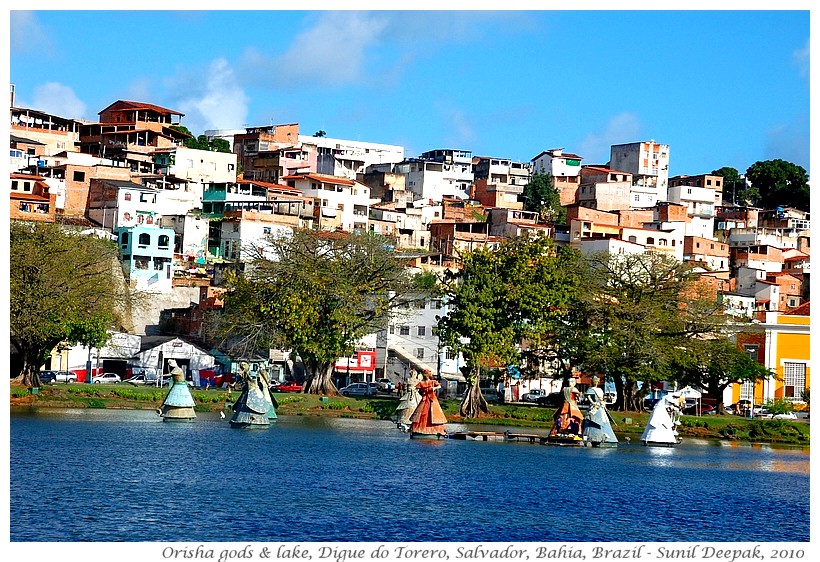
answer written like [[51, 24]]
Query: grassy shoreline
[[628, 424]]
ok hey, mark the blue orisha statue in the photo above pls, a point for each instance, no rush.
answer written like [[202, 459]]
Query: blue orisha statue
[[251, 410], [178, 404]]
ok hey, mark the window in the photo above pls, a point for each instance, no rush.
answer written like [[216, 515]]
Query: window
[[419, 353], [391, 329], [422, 331], [751, 350], [436, 304], [141, 262], [159, 264], [124, 238], [14, 185], [633, 239], [163, 241], [145, 239], [448, 354], [794, 380], [265, 230], [127, 196], [78, 176], [650, 240], [404, 330]]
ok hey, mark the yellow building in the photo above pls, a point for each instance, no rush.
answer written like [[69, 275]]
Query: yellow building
[[788, 353]]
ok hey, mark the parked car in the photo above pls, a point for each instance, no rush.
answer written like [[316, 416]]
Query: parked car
[[110, 378], [533, 395], [704, 410], [57, 376], [385, 385], [141, 379], [287, 386], [552, 400], [357, 389], [762, 413], [785, 416]]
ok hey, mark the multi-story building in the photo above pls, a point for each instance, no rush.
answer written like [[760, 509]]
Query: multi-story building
[[130, 132], [565, 169], [25, 154], [57, 134], [147, 255], [648, 162], [604, 189], [30, 199], [188, 170], [508, 223], [347, 158], [499, 182], [117, 204], [338, 202], [701, 195], [706, 252], [250, 210], [438, 174], [257, 142]]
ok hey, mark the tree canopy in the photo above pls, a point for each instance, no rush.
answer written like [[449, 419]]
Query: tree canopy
[[65, 287], [201, 142], [541, 197], [778, 183], [316, 293], [715, 363], [640, 307], [502, 296], [731, 183]]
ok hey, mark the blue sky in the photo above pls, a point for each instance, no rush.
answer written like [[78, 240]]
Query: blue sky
[[722, 88]]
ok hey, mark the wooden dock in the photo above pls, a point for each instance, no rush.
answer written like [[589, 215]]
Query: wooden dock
[[498, 436], [508, 436]]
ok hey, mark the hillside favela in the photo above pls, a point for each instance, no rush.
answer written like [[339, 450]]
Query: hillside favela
[[408, 331], [189, 215]]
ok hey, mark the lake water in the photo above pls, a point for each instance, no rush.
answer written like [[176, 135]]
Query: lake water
[[102, 475]]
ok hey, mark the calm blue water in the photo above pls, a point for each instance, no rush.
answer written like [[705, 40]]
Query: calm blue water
[[97, 475]]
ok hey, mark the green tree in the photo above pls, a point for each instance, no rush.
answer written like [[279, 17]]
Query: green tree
[[541, 197], [714, 364], [778, 183], [641, 307], [501, 297], [731, 183], [64, 287], [316, 293], [201, 142], [320, 133]]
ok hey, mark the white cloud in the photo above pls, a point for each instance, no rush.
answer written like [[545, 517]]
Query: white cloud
[[58, 100], [26, 33], [332, 52], [800, 58], [623, 128], [210, 99]]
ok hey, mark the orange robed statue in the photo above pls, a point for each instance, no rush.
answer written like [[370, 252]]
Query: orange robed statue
[[428, 419]]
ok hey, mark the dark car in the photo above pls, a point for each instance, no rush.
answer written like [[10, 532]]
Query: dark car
[[704, 410], [47, 377], [552, 400]]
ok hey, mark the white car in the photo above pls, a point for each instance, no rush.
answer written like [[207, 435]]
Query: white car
[[109, 378], [385, 385], [785, 416]]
